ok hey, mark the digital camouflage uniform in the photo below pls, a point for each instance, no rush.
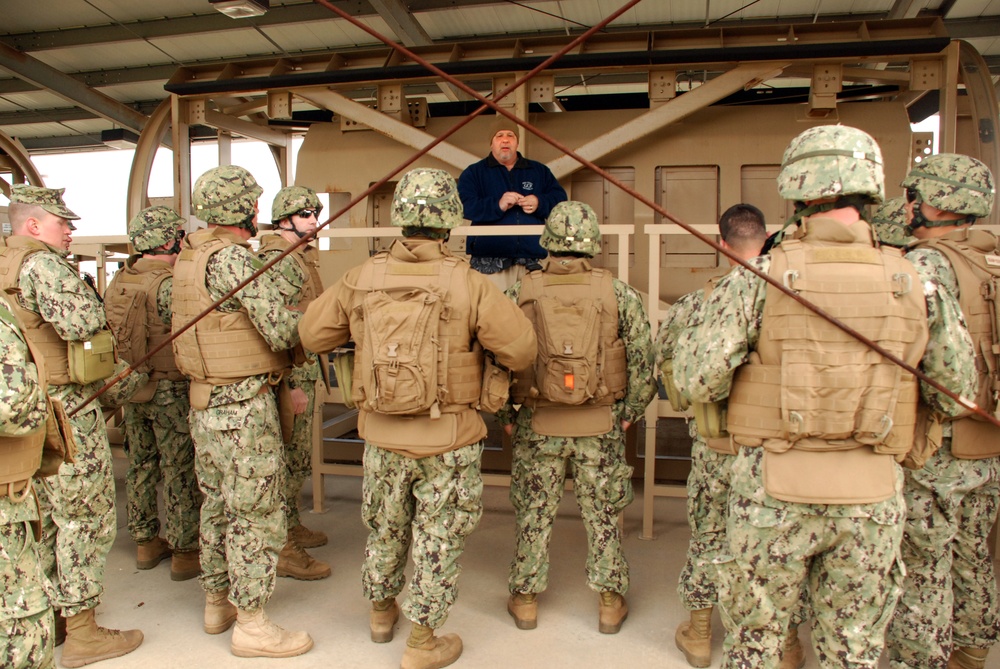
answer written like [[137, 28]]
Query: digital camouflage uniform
[[159, 440], [25, 610], [950, 595], [239, 454], [707, 483], [602, 479], [846, 555], [419, 498]]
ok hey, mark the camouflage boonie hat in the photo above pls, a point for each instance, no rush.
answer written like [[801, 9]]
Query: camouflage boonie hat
[[225, 195], [889, 222], [572, 227], [49, 199], [292, 199], [426, 198], [955, 183], [153, 227], [830, 161]]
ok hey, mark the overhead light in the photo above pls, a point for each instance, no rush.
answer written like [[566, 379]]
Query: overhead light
[[119, 138], [241, 9]]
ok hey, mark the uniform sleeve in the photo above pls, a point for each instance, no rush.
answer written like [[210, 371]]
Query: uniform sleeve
[[674, 322], [326, 323], [164, 300], [721, 335], [277, 324], [479, 201], [506, 414], [950, 357], [53, 289], [22, 399], [286, 276], [633, 328], [550, 194], [500, 325]]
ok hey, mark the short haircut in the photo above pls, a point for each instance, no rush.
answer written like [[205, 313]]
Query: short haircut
[[19, 212], [742, 225]]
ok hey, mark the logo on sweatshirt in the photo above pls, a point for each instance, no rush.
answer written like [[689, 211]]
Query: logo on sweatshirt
[[527, 185]]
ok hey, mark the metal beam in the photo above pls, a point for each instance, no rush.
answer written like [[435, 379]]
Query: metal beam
[[401, 21], [391, 128], [238, 126], [33, 70], [741, 76]]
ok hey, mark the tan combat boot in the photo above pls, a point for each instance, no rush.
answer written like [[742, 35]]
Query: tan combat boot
[[793, 656], [305, 537], [86, 642], [694, 638], [294, 562], [220, 614], [426, 651], [256, 636], [383, 617], [967, 658], [523, 608], [150, 553], [612, 613], [184, 565]]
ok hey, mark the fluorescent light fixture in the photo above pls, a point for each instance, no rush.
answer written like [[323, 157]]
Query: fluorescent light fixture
[[241, 9], [119, 138]]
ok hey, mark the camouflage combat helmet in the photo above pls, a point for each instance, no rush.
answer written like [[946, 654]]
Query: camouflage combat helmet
[[153, 227], [572, 228], [831, 161], [292, 199], [889, 222], [951, 182], [226, 195], [426, 198]]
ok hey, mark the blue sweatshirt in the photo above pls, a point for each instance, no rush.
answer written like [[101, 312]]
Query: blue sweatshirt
[[480, 188]]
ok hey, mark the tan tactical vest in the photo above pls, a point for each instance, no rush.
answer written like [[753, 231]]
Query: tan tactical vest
[[460, 362], [13, 252], [975, 257], [145, 277], [808, 379], [21, 456], [570, 282], [223, 347], [306, 257]]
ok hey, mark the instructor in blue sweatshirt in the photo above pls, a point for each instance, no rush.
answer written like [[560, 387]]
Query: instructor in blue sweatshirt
[[505, 188]]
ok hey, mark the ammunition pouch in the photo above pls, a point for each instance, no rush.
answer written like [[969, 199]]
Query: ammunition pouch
[[343, 371], [927, 439], [92, 360], [496, 386]]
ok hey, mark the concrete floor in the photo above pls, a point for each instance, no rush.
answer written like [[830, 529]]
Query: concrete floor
[[335, 612]]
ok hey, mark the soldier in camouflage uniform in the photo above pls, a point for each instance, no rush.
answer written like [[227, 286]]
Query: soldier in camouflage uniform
[[595, 454], [295, 214], [949, 602], [233, 355], [422, 481], [156, 419], [889, 222], [26, 617], [805, 512], [78, 504], [742, 231]]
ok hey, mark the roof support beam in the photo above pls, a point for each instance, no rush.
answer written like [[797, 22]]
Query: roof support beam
[[741, 76], [31, 69], [390, 127]]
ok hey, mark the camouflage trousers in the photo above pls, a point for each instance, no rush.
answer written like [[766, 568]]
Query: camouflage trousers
[[26, 619], [950, 592], [298, 457], [437, 501], [708, 512], [240, 466], [160, 447], [78, 517], [846, 558], [602, 483]]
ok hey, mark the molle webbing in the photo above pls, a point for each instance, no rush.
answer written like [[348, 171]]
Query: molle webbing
[[13, 252], [808, 378], [223, 347], [146, 282], [975, 258]]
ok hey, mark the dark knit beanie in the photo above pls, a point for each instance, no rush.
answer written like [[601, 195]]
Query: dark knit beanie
[[502, 123]]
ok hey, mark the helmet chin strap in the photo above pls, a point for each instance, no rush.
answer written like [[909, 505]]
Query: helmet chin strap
[[176, 248], [250, 225], [293, 229], [921, 221]]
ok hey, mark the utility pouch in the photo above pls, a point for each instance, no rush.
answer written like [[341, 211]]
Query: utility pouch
[[570, 421], [677, 400], [927, 437], [92, 360], [59, 446], [496, 387], [343, 371], [710, 417]]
